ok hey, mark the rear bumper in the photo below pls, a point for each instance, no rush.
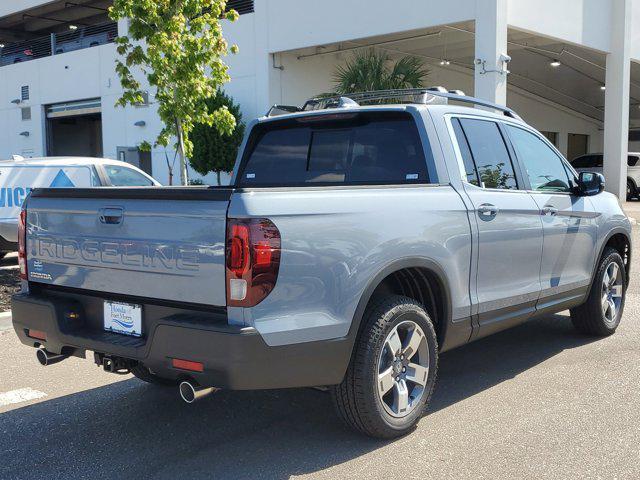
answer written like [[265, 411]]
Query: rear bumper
[[235, 358]]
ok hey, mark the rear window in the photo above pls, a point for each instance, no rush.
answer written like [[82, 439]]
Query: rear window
[[343, 149]]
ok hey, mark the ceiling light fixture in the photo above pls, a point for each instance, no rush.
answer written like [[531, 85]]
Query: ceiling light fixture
[[444, 61], [73, 27], [555, 63], [602, 87]]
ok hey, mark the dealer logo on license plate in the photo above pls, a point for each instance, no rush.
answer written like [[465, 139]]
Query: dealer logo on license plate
[[123, 318]]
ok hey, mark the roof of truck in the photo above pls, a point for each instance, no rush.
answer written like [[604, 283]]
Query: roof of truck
[[439, 109]]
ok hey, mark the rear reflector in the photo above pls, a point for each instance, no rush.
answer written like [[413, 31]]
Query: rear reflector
[[37, 334], [187, 365], [22, 244]]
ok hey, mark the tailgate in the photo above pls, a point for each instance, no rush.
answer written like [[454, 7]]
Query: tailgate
[[155, 243]]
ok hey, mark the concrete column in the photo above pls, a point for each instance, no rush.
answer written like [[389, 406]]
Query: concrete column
[[490, 44], [267, 78], [616, 103]]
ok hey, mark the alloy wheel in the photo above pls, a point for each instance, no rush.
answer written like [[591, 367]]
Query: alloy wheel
[[403, 369]]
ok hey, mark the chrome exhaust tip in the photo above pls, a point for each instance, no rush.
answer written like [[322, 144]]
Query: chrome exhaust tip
[[47, 358], [191, 392]]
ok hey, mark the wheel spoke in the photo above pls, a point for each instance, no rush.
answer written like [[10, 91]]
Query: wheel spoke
[[417, 374], [612, 308], [413, 342], [613, 275], [386, 380], [616, 291], [606, 279], [394, 343], [605, 303], [401, 397]]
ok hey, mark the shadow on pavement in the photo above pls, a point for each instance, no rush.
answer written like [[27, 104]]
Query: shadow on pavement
[[133, 430]]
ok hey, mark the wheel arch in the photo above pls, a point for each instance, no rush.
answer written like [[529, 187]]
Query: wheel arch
[[620, 240], [427, 272]]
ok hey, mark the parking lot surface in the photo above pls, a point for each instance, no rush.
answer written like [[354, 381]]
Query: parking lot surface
[[538, 401]]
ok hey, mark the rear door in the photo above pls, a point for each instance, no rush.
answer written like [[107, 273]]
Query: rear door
[[508, 223], [153, 243], [569, 221]]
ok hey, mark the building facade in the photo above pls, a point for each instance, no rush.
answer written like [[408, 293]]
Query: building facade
[[569, 68]]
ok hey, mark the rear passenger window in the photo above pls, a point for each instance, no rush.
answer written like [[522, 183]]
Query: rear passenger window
[[488, 153], [361, 148]]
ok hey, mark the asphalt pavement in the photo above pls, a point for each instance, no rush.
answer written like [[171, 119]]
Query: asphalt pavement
[[538, 401]]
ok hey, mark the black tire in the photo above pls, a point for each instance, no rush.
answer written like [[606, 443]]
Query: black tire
[[589, 317], [143, 373], [357, 398], [631, 190]]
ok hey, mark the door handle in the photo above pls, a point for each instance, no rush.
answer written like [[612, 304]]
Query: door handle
[[111, 215], [488, 210], [549, 210]]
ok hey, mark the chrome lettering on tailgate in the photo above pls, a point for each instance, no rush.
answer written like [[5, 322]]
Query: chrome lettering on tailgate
[[132, 255]]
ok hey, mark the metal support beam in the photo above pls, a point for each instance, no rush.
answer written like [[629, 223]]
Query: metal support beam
[[616, 108]]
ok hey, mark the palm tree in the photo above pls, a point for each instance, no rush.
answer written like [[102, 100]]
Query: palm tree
[[370, 70]]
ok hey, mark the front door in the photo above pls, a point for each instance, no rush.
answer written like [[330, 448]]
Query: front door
[[569, 221], [508, 223]]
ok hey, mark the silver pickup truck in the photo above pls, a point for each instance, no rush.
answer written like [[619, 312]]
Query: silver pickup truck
[[356, 243]]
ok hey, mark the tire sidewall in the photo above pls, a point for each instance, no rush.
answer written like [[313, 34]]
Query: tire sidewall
[[409, 311]]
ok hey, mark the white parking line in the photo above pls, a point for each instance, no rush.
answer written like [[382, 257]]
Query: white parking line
[[19, 396]]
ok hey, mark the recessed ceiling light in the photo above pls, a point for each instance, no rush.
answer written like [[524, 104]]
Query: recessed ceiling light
[[555, 63]]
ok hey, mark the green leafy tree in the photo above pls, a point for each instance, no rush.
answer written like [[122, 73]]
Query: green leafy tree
[[370, 70], [214, 151], [178, 45]]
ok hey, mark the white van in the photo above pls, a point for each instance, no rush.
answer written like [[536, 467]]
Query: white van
[[20, 175], [592, 162]]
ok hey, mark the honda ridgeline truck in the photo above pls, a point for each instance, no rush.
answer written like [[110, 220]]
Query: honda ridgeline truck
[[356, 243]]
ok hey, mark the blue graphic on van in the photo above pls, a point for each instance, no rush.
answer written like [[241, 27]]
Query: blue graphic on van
[[61, 181], [13, 196]]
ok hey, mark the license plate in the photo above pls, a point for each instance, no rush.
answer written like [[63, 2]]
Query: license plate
[[125, 318]]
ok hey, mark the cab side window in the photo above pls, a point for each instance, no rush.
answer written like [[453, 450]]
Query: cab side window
[[126, 177], [543, 166], [484, 154]]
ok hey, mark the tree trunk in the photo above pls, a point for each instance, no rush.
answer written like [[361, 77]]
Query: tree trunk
[[183, 161], [219, 180]]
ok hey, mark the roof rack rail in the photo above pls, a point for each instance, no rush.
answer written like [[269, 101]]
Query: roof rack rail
[[427, 96]]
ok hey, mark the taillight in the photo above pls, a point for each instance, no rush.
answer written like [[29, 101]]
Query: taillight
[[22, 244], [253, 260]]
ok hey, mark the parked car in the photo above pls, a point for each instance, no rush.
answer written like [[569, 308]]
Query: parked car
[[593, 163], [20, 175], [355, 245]]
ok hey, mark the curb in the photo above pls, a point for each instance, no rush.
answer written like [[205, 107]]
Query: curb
[[6, 314]]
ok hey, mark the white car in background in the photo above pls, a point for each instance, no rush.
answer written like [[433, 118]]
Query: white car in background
[[592, 162], [19, 176]]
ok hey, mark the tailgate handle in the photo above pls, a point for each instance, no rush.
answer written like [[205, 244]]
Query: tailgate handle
[[111, 215]]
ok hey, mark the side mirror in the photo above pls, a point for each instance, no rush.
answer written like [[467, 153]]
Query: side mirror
[[590, 183]]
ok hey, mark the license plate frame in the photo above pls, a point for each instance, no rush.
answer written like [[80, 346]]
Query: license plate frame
[[123, 318]]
